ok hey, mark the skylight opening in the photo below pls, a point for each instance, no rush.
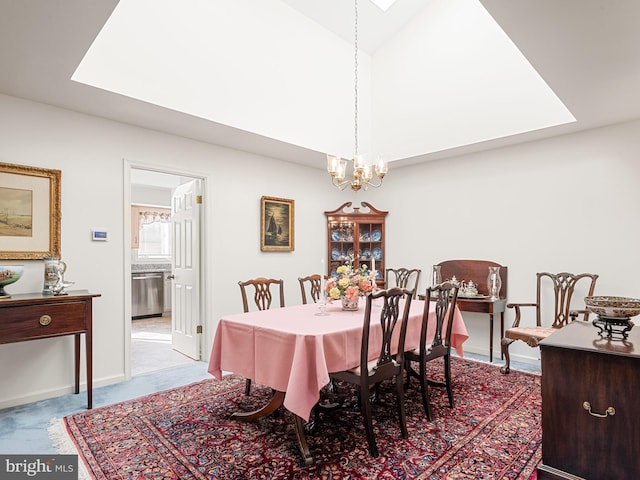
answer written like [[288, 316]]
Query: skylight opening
[[383, 5]]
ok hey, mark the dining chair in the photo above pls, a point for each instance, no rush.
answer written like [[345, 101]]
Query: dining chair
[[548, 320], [444, 297], [262, 298], [386, 364], [312, 283], [262, 295], [403, 278]]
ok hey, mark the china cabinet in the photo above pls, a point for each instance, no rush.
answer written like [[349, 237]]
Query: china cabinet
[[358, 233]]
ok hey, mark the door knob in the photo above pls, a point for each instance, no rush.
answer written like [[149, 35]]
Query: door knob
[[171, 276]]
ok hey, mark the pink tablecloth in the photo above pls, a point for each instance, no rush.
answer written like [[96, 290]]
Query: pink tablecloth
[[292, 350]]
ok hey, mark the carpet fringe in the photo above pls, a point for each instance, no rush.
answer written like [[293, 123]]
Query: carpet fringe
[[64, 445]]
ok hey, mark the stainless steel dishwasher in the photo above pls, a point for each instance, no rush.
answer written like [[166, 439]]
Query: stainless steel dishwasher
[[147, 298]]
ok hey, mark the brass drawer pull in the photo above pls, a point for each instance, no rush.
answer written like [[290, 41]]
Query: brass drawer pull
[[609, 411], [45, 320]]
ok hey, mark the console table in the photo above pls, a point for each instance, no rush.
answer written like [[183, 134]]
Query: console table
[[32, 316], [477, 271], [590, 391]]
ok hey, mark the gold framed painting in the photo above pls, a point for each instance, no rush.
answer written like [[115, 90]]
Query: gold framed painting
[[276, 224], [29, 212]]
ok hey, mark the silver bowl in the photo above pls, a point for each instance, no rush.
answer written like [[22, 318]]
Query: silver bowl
[[618, 308], [9, 274]]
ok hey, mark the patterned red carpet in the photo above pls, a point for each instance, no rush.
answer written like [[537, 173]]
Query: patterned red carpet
[[494, 432]]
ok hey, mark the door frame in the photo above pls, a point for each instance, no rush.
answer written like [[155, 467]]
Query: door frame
[[129, 165]]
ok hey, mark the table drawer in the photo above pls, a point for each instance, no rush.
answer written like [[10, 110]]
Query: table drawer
[[29, 322]]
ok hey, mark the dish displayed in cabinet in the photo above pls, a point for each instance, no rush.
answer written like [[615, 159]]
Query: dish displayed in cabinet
[[352, 234]]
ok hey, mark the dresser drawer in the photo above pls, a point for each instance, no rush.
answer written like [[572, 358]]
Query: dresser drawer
[[29, 322]]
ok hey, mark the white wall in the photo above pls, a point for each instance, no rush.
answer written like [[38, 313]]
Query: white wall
[[90, 153], [568, 203], [156, 196]]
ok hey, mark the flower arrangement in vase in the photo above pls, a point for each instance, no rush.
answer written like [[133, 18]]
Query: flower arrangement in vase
[[350, 284]]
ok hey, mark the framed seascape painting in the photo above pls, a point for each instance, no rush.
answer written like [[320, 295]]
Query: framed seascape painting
[[29, 212], [276, 224]]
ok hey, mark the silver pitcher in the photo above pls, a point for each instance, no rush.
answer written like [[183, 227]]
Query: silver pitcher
[[54, 269]]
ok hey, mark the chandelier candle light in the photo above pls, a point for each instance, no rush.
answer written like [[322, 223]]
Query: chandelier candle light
[[337, 167]]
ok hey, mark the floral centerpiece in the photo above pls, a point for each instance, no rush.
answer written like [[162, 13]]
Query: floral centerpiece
[[350, 284]]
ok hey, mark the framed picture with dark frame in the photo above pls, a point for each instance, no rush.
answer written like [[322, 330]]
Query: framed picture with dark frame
[[276, 224], [29, 212]]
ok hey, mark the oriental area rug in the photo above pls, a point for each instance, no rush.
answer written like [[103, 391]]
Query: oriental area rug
[[493, 432]]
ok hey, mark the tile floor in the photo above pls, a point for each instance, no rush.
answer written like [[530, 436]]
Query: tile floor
[[151, 346]]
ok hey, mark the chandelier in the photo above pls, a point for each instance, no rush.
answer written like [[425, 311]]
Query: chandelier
[[363, 175]]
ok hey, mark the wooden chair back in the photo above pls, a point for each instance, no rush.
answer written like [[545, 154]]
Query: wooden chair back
[[312, 284], [262, 294], [403, 278], [564, 287], [388, 365], [444, 296]]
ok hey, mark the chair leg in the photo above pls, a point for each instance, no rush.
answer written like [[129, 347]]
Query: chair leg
[[424, 390], [401, 410], [365, 408], [447, 376], [504, 345], [247, 387], [333, 387], [407, 368]]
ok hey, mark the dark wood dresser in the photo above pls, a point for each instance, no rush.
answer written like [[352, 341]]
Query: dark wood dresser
[[31, 316], [590, 405]]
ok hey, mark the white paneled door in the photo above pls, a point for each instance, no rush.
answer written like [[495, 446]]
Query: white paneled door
[[185, 292]]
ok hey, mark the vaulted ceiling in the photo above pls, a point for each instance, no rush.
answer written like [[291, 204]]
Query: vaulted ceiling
[[587, 51]]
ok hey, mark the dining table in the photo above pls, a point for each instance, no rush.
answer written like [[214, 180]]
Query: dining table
[[293, 349]]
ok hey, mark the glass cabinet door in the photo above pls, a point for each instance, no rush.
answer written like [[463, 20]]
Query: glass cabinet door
[[342, 246], [358, 237], [370, 247]]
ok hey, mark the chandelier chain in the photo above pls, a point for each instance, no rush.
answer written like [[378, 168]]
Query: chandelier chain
[[356, 79], [363, 175]]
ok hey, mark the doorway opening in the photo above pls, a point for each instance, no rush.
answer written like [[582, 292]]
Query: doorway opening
[[153, 264]]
